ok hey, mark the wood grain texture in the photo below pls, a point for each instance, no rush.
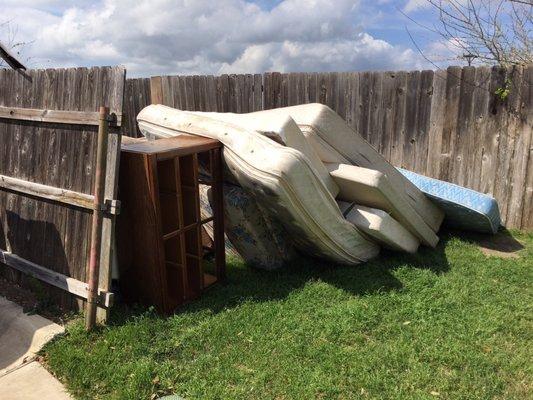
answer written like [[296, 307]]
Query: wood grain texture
[[172, 147], [137, 95], [527, 96], [107, 256], [47, 192], [55, 116], [140, 246]]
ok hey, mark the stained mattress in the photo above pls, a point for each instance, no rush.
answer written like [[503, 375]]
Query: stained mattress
[[259, 240], [336, 142], [464, 208], [284, 131], [282, 179]]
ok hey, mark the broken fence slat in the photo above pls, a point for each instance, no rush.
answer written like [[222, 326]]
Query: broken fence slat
[[71, 285]]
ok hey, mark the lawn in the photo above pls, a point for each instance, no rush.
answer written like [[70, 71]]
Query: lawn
[[449, 323]]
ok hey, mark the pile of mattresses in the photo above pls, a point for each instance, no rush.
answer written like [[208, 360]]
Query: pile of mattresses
[[310, 180]]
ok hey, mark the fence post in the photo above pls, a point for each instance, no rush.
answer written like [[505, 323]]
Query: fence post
[[98, 213]]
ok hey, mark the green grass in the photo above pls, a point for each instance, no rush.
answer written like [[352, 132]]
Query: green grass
[[449, 323]]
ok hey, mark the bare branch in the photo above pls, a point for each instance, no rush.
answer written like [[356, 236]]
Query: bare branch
[[527, 3], [492, 31], [8, 46]]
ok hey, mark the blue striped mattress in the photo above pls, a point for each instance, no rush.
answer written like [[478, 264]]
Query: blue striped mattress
[[464, 208]]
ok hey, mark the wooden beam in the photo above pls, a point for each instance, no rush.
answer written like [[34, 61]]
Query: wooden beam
[[55, 194], [56, 116], [47, 192], [10, 58], [71, 285], [108, 258]]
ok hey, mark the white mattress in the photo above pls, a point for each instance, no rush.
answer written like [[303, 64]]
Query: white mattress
[[373, 189], [335, 142], [284, 131], [380, 226], [281, 178]]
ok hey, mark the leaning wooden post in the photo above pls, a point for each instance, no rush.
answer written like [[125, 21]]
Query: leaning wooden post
[[98, 213]]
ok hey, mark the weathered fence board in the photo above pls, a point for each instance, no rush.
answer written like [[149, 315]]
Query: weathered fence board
[[61, 155], [137, 95], [527, 96], [446, 124]]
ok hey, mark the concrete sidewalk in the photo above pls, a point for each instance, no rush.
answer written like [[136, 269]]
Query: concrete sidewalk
[[21, 337], [31, 382]]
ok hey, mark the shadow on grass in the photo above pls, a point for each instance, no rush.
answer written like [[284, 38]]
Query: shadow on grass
[[502, 242], [246, 284]]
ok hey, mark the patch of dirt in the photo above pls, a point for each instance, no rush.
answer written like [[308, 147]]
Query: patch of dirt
[[30, 302], [500, 245]]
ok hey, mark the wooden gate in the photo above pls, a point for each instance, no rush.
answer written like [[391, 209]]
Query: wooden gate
[[48, 125]]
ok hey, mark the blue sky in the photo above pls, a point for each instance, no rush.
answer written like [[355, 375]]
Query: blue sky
[[223, 36]]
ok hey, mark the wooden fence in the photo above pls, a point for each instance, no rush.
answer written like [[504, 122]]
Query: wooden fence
[[48, 126], [449, 124]]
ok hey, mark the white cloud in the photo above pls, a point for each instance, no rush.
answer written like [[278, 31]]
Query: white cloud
[[202, 36], [362, 51], [415, 5]]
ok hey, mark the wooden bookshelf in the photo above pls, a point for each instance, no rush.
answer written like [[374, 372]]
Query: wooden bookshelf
[[161, 245]]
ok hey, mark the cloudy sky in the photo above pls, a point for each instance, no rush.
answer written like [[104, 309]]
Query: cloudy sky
[[218, 36]]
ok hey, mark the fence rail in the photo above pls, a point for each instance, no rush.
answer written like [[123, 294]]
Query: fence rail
[[449, 125]]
